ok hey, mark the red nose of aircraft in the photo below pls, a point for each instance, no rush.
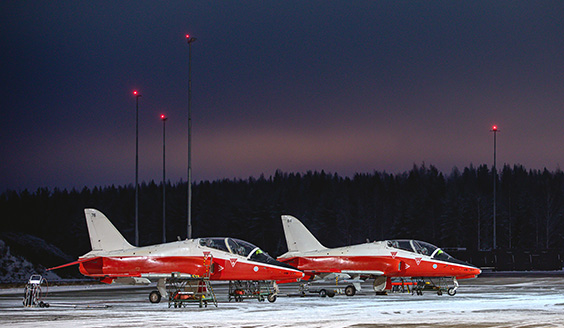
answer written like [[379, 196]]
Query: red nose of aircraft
[[468, 272]]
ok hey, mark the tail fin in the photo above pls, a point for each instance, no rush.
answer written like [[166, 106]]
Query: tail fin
[[298, 238], [103, 235]]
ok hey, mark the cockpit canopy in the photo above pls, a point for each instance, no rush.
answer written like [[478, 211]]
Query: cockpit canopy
[[421, 247], [231, 245], [242, 248]]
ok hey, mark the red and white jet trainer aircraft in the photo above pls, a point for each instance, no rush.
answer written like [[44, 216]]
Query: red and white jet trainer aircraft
[[113, 259], [381, 260]]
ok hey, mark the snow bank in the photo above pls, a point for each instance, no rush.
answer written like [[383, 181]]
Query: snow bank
[[17, 269]]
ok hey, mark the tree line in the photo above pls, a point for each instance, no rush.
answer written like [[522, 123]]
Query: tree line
[[454, 210]]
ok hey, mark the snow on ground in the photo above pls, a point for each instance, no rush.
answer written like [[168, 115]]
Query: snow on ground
[[483, 302]]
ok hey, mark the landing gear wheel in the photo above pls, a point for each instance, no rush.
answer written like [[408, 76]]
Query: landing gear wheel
[[322, 293], [154, 297], [331, 293], [451, 291], [350, 290], [271, 298]]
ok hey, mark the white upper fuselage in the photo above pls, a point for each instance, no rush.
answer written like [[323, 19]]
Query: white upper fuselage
[[392, 258]]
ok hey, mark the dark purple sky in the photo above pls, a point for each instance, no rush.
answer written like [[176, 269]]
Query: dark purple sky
[[293, 85]]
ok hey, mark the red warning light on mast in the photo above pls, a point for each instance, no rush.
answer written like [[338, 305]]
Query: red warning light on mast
[[494, 128], [190, 39]]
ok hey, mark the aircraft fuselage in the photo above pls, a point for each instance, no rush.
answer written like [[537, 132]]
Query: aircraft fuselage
[[188, 256], [377, 258]]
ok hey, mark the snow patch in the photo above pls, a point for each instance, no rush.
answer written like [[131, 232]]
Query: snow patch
[[17, 269]]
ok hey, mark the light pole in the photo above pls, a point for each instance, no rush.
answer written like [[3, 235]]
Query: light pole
[[137, 95], [190, 40], [494, 130], [164, 118]]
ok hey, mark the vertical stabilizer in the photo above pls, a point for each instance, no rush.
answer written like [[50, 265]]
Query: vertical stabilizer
[[103, 235], [298, 238]]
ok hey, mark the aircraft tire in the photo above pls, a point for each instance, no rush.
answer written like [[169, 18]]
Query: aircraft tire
[[350, 290], [154, 297], [451, 291], [322, 293], [271, 298]]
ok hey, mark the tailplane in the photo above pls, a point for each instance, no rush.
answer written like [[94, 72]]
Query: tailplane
[[103, 235], [298, 238]]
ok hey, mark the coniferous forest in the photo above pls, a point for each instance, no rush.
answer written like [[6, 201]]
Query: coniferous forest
[[450, 211]]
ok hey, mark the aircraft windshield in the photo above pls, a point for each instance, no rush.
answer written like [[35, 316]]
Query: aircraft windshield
[[240, 247], [420, 247]]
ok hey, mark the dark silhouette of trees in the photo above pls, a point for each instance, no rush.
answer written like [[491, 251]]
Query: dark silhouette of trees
[[455, 210]]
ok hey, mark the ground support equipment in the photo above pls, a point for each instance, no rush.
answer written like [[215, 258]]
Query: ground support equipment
[[33, 293], [261, 290], [184, 291]]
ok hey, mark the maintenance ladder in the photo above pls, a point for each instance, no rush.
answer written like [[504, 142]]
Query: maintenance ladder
[[193, 289]]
